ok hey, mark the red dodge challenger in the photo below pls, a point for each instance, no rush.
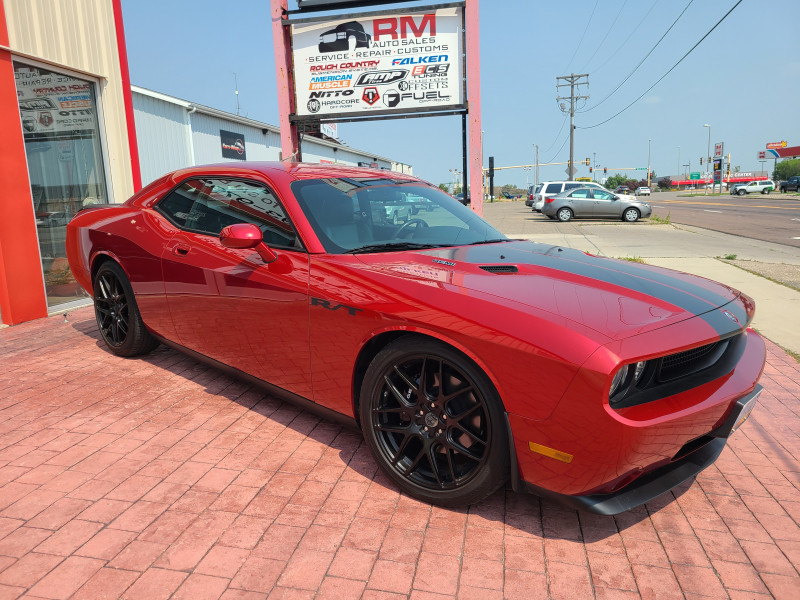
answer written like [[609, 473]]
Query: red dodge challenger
[[466, 358]]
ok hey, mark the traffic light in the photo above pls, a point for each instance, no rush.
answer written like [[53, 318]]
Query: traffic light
[[590, 169], [491, 167], [605, 169], [701, 160], [587, 162]]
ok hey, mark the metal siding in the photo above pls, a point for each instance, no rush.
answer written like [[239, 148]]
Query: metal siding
[[80, 34], [207, 145], [163, 136], [313, 152]]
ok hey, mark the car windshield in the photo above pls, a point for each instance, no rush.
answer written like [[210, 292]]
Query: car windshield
[[354, 215]]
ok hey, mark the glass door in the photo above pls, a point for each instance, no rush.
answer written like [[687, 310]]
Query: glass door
[[65, 164]]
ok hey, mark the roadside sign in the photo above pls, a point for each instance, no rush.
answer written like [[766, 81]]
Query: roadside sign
[[641, 168], [694, 175], [762, 154], [776, 145], [718, 149]]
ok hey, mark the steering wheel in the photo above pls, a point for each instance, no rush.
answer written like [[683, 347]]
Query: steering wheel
[[418, 222]]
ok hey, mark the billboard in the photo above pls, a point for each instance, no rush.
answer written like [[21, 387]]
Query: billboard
[[232, 145], [378, 63]]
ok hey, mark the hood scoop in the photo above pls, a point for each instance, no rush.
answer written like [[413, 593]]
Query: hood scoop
[[500, 269]]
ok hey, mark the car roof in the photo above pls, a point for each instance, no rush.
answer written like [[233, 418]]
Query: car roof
[[300, 170]]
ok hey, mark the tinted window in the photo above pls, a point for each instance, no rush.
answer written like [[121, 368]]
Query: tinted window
[[581, 193], [553, 188], [572, 186], [602, 195], [208, 205]]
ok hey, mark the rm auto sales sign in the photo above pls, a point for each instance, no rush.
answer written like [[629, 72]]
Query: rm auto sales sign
[[395, 63]]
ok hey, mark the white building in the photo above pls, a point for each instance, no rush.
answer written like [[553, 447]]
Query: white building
[[174, 133]]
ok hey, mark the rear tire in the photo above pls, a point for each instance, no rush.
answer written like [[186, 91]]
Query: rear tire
[[117, 314]]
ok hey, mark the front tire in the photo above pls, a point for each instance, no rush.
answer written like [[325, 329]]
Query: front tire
[[631, 215], [117, 314], [434, 423], [741, 192], [564, 214]]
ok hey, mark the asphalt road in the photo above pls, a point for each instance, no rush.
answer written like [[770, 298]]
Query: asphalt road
[[773, 218]]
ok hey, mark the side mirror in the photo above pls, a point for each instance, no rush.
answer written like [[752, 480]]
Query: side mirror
[[243, 236]]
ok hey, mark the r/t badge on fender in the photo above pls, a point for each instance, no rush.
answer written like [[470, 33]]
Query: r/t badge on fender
[[351, 310]]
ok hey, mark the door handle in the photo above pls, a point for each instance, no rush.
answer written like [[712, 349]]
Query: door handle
[[181, 249]]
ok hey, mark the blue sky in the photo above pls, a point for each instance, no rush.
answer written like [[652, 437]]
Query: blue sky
[[744, 79]]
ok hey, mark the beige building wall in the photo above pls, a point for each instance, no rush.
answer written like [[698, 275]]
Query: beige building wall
[[79, 35]]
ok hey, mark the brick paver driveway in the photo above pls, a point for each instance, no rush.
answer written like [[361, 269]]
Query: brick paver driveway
[[159, 476]]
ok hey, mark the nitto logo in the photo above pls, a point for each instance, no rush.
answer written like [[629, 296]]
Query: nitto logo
[[371, 95], [421, 60], [381, 77], [333, 94]]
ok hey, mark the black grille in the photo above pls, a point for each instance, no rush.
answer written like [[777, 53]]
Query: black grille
[[691, 361], [500, 268]]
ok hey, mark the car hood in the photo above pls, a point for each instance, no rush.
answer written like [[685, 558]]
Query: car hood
[[613, 297]]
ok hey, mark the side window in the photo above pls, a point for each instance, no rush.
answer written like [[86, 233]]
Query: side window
[[582, 193], [553, 188], [208, 205], [602, 195], [571, 186]]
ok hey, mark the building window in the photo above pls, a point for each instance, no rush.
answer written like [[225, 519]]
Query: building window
[[65, 164]]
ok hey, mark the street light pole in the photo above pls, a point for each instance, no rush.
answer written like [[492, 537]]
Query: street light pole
[[648, 162], [708, 155], [679, 160]]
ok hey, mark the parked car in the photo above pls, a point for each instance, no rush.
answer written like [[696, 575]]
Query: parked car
[[586, 202], [338, 39], [277, 273], [551, 188], [622, 189], [752, 187], [532, 191], [642, 191], [791, 185]]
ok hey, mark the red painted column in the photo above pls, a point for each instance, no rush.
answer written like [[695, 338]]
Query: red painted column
[[285, 80], [22, 295], [122, 51], [474, 99]]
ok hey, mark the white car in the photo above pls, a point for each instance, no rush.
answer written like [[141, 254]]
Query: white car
[[753, 187], [643, 191]]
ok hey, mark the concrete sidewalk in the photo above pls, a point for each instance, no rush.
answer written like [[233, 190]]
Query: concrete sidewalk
[[685, 248]]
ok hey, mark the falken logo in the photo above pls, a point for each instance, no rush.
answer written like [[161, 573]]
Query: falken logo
[[420, 60], [381, 77]]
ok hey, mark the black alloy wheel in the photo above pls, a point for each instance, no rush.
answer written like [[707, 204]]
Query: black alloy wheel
[[434, 422], [117, 314]]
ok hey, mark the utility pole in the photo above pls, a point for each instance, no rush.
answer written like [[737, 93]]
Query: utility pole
[[572, 81], [536, 176], [594, 164]]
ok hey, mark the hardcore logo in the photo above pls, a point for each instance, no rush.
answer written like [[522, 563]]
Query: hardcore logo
[[370, 95], [313, 105], [381, 77]]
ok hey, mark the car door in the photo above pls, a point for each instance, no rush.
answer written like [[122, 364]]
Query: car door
[[581, 202], [606, 205], [228, 304]]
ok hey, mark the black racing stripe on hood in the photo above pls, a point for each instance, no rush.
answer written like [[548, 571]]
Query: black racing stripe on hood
[[692, 298]]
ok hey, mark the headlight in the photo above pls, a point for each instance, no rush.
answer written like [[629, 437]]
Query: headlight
[[618, 379], [638, 371]]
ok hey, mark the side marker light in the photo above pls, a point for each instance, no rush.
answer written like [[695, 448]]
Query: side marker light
[[551, 452]]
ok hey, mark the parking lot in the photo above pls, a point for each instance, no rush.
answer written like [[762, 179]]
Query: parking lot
[[160, 476]]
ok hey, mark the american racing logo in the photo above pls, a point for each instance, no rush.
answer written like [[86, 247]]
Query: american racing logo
[[437, 70], [421, 60], [381, 77], [370, 95], [351, 310]]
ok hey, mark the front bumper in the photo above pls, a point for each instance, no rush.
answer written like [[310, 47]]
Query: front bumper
[[703, 452]]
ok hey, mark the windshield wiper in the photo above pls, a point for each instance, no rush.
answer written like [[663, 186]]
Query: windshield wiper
[[390, 246], [497, 241]]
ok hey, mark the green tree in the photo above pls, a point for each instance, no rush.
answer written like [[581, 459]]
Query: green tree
[[615, 180], [444, 187], [786, 169]]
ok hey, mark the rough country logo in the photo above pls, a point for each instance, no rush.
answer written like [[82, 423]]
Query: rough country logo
[[313, 105], [381, 77], [371, 95]]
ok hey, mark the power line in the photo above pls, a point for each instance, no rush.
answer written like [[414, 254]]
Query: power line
[[627, 39], [555, 139], [636, 68], [672, 68], [605, 37], [559, 150], [589, 22]]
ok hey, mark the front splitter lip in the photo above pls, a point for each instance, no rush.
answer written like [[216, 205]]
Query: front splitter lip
[[660, 480]]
